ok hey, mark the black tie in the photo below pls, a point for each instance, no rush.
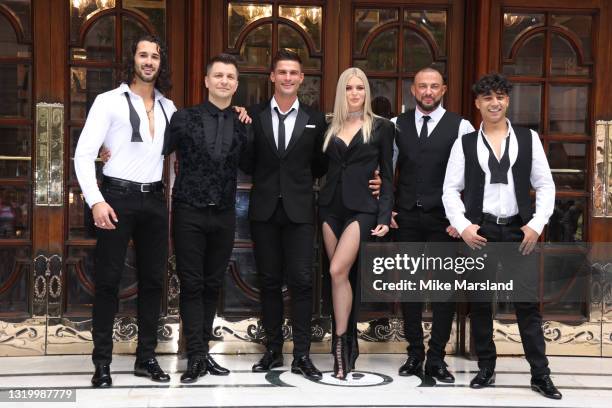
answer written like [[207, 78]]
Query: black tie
[[134, 120], [281, 129], [424, 133], [498, 169], [219, 139]]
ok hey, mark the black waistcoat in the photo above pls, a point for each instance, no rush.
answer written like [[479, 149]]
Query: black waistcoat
[[422, 163], [473, 191]]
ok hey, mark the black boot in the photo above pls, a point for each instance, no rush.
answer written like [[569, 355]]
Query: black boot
[[102, 377], [341, 357]]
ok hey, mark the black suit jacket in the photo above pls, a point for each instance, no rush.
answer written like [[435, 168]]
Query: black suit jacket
[[356, 167], [291, 175]]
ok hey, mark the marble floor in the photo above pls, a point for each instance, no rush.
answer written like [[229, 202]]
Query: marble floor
[[584, 382]]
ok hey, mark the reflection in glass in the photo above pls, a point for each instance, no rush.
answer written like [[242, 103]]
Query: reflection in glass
[[15, 205], [563, 59], [290, 39], [432, 21], [568, 165], [310, 91], [579, 25], [308, 17], [367, 20], [80, 220], [15, 90], [75, 133], [234, 298], [255, 50], [131, 30], [99, 41], [525, 106], [529, 59], [567, 221], [382, 53], [417, 53], [515, 24], [243, 231], [154, 10], [565, 282], [408, 101], [241, 15], [8, 41], [252, 89], [383, 88], [83, 10], [568, 108], [80, 272], [22, 10], [15, 145], [14, 299], [85, 85]]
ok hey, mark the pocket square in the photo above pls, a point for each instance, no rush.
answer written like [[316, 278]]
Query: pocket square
[[311, 126]]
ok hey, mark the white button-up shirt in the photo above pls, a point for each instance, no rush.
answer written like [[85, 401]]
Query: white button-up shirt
[[289, 121], [499, 199], [108, 124]]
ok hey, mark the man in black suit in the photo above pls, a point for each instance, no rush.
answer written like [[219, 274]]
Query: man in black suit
[[424, 140], [288, 156]]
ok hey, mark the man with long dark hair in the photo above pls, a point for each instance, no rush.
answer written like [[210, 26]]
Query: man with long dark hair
[[131, 121]]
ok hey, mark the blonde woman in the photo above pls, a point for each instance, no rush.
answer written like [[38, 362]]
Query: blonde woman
[[356, 143]]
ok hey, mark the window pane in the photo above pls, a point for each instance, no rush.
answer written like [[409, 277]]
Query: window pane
[[82, 11], [408, 101], [99, 41], [567, 221], [564, 60], [384, 88], [525, 106], [80, 220], [529, 59], [434, 22], [131, 30], [15, 90], [241, 15], [580, 25], [367, 20], [15, 143], [568, 165], [290, 39], [382, 53], [568, 108], [252, 89], [15, 205], [417, 54], [85, 85], [22, 10], [255, 51], [155, 10], [14, 261], [308, 17], [243, 231], [516, 24], [8, 41], [235, 300], [565, 283], [310, 91]]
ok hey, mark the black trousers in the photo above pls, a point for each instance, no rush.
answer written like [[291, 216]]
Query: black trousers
[[418, 225], [143, 217], [203, 242], [284, 249], [527, 313]]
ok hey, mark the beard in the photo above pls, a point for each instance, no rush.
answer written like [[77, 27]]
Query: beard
[[428, 108], [143, 78]]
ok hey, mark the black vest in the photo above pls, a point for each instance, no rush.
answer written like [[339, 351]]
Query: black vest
[[422, 163], [473, 191]]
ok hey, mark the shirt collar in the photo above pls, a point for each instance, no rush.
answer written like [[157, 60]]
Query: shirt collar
[[435, 115], [214, 109], [124, 87], [510, 130], [295, 106]]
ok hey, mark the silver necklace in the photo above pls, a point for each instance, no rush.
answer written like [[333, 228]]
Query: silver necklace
[[355, 114]]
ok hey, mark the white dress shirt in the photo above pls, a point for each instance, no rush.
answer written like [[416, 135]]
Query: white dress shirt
[[108, 124], [499, 199], [289, 121], [465, 126]]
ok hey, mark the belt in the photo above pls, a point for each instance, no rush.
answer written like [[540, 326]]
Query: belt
[[132, 186], [500, 220]]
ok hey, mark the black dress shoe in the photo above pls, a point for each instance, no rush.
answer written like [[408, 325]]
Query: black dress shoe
[[150, 368], [303, 365], [213, 368], [412, 366], [270, 359], [196, 368], [440, 373], [102, 377], [545, 386], [484, 378]]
